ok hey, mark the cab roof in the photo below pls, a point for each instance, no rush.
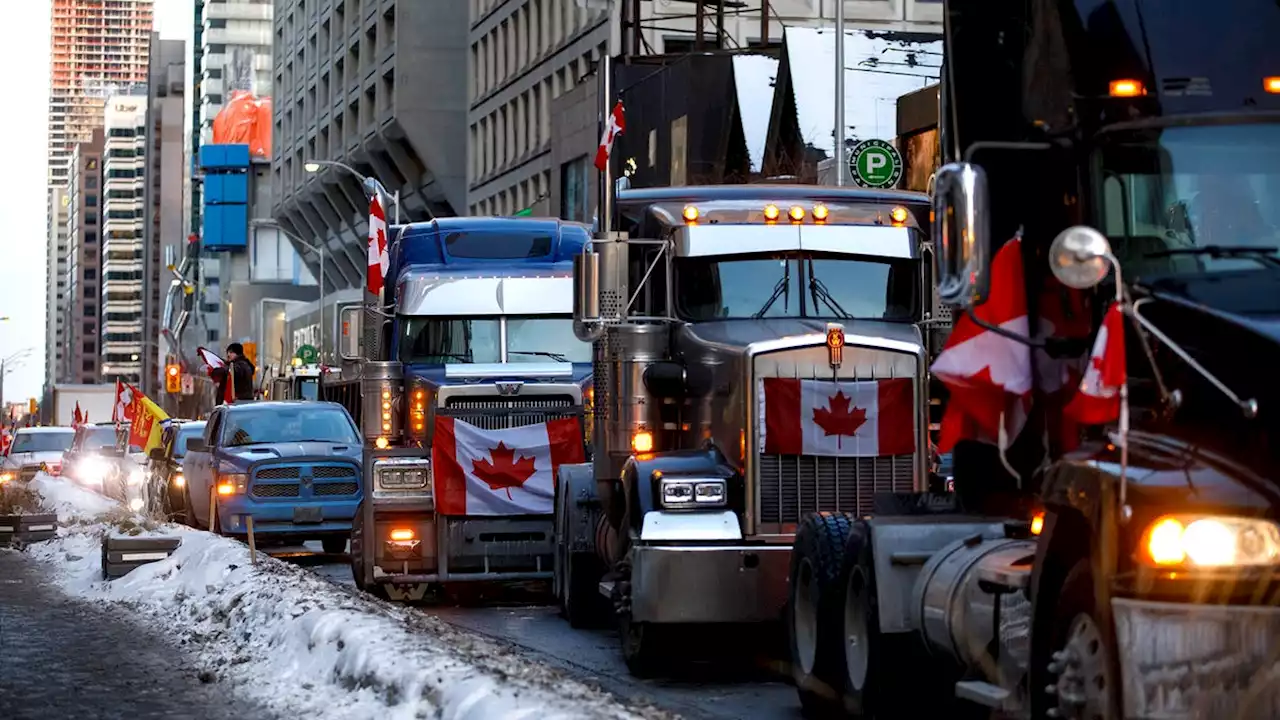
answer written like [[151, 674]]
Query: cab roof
[[767, 193], [480, 240]]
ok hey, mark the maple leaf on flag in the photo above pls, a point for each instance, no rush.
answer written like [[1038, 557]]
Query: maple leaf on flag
[[838, 418], [504, 472]]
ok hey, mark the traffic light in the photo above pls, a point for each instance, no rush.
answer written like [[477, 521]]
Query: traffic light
[[173, 379], [33, 407]]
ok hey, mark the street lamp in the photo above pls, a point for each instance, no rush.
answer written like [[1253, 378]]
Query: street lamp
[[13, 359], [317, 249], [371, 185]]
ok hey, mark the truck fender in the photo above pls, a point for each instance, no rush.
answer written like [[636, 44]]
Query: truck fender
[[577, 509], [901, 545], [641, 476]]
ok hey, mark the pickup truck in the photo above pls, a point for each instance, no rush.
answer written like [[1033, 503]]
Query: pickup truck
[[294, 467], [33, 448]]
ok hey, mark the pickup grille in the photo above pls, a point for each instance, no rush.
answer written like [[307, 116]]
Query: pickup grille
[[305, 481], [792, 486], [494, 413]]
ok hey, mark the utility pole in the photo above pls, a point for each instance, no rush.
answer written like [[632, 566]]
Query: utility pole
[[839, 119]]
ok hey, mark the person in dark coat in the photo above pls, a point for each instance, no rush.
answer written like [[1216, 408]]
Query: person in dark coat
[[239, 372]]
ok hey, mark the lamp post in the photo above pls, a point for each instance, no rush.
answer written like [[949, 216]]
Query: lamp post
[[318, 250], [371, 185], [13, 359]]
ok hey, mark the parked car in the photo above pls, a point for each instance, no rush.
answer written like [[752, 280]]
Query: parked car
[[101, 460], [33, 448], [165, 466], [291, 466]]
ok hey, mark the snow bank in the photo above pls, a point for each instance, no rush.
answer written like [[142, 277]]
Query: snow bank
[[72, 502], [301, 645]]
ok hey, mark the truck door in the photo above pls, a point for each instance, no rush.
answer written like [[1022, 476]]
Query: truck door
[[198, 467]]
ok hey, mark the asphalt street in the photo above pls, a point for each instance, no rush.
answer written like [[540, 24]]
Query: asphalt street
[[67, 658]]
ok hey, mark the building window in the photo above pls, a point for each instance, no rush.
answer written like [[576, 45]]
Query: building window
[[91, 182], [573, 190], [87, 365], [90, 273], [90, 238], [91, 201], [213, 336]]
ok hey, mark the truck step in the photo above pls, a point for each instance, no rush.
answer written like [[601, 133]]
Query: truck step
[[606, 588], [982, 693]]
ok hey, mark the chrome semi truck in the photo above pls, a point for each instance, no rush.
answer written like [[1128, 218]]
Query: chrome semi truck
[[1126, 568], [724, 320], [477, 327]]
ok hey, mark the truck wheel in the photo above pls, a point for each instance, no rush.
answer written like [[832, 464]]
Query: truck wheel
[[582, 600], [813, 610], [357, 548], [334, 545], [641, 646], [188, 512], [1082, 674]]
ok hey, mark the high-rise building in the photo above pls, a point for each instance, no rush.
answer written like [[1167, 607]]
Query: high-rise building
[[80, 308], [379, 86], [98, 48], [123, 254], [56, 284], [165, 235]]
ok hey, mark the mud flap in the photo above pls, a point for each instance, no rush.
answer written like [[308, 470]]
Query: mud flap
[[412, 592]]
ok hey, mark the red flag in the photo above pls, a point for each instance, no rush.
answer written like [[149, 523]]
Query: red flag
[[77, 419], [379, 261], [123, 410], [613, 127], [1097, 400], [988, 375]]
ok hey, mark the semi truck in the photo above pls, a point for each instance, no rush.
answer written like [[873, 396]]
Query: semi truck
[[96, 402], [730, 325], [476, 327], [1123, 569]]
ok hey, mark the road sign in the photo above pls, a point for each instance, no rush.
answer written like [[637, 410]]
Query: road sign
[[308, 354], [188, 385], [875, 164]]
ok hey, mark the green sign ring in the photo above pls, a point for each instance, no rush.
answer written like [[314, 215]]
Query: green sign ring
[[875, 164], [308, 354]]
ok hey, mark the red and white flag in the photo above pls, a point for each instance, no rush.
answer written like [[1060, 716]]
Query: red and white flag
[[77, 418], [848, 419], [613, 127], [123, 410], [1097, 400], [210, 358], [379, 260], [989, 375], [501, 472]]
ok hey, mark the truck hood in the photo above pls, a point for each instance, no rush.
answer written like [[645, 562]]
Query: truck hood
[[739, 334], [17, 460], [526, 372], [244, 456]]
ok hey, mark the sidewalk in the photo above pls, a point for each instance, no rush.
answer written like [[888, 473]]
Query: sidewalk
[[61, 657]]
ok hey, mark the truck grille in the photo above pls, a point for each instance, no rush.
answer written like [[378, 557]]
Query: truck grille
[[330, 480], [492, 413], [28, 472], [792, 486]]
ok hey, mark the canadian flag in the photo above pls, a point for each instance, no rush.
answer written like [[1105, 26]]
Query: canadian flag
[[379, 261], [1097, 400], [613, 127], [825, 417], [77, 418], [214, 362], [124, 408], [989, 375], [501, 472]]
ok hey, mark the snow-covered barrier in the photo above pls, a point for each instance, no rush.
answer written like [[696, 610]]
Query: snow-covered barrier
[[304, 646]]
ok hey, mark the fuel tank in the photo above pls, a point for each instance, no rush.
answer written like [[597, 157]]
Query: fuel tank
[[956, 614]]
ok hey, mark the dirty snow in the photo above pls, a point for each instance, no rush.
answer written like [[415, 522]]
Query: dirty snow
[[754, 76], [299, 644], [879, 68]]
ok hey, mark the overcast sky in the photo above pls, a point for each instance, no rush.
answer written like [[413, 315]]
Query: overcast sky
[[24, 53]]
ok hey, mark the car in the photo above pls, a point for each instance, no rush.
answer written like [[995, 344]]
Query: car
[[100, 459], [293, 467], [165, 465], [33, 448]]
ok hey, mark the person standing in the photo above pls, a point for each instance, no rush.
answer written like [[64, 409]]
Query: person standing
[[235, 381]]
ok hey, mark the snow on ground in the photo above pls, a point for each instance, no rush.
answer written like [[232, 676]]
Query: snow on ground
[[301, 645]]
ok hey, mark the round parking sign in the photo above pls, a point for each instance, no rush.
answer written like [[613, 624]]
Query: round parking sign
[[875, 164]]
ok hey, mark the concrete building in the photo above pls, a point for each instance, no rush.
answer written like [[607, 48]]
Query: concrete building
[[379, 85], [164, 235], [235, 54], [529, 58], [81, 317], [123, 253], [56, 286]]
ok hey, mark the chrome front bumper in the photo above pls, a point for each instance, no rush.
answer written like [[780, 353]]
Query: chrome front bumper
[[1181, 661], [709, 584]]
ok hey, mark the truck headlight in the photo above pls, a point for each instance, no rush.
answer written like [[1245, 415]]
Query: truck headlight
[[232, 484], [403, 479], [179, 480], [136, 477], [678, 493], [1211, 542], [93, 470]]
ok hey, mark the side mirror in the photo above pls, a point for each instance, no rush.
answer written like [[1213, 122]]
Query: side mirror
[[587, 325], [961, 234], [1080, 257], [197, 444], [349, 333], [157, 454], [622, 183]]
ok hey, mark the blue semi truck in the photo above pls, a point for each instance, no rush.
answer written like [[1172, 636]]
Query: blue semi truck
[[475, 323]]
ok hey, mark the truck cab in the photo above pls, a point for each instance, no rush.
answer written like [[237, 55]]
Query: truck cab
[[479, 328]]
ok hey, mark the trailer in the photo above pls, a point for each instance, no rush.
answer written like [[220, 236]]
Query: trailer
[[96, 402]]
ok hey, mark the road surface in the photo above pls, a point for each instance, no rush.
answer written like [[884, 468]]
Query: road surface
[[65, 658], [718, 687]]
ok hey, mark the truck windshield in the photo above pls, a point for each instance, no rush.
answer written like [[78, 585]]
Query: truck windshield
[[103, 436], [444, 340], [31, 442], [264, 425], [1186, 200], [796, 285]]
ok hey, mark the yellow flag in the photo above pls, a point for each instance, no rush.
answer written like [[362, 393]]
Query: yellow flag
[[147, 429]]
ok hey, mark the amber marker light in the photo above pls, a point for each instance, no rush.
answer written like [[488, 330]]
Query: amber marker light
[[691, 214], [821, 213], [1271, 84], [796, 213], [642, 441], [401, 534], [771, 212], [1037, 523], [226, 489], [381, 443], [898, 215], [1127, 88]]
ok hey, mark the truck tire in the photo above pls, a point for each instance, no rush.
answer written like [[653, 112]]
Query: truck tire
[[188, 511], [357, 548], [1083, 671], [583, 603], [334, 545], [814, 609]]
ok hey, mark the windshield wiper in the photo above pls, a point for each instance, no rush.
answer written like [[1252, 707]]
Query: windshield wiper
[[820, 292], [558, 357], [1264, 254], [782, 289]]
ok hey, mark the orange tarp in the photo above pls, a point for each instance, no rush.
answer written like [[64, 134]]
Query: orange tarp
[[245, 120]]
